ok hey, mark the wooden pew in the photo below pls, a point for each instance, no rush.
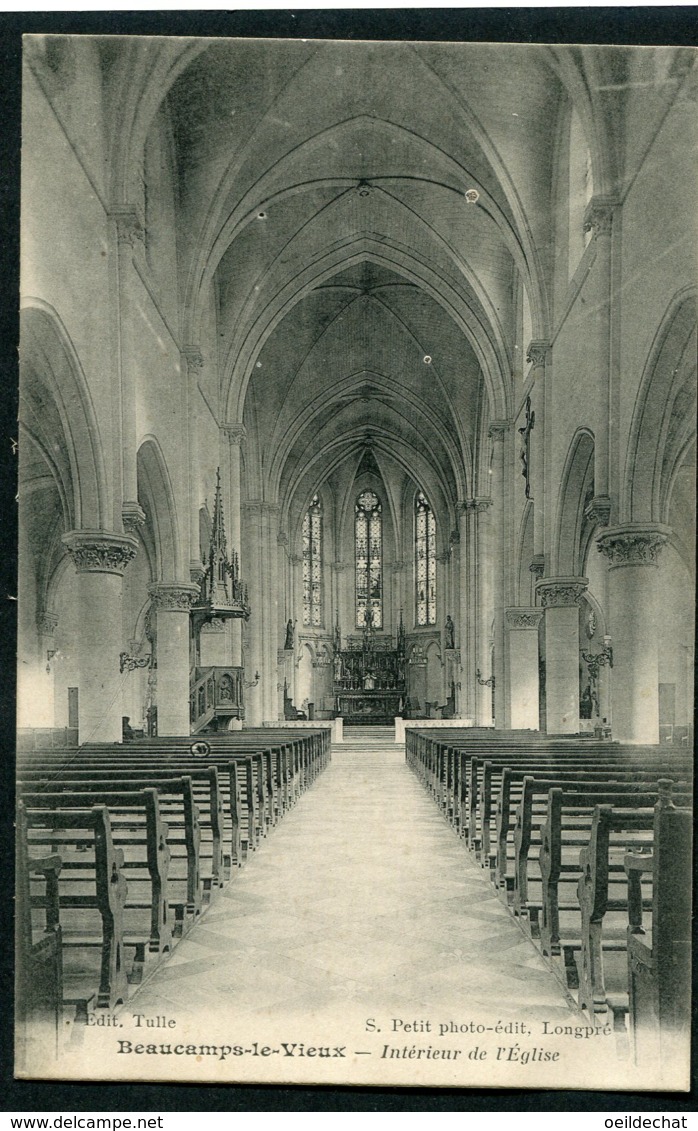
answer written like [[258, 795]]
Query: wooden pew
[[91, 919], [140, 833], [659, 953], [510, 790], [567, 828], [38, 947]]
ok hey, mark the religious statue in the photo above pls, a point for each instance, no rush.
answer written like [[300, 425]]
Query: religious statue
[[369, 681], [288, 646], [337, 667], [450, 633]]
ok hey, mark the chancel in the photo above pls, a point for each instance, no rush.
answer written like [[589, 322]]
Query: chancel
[[358, 408]]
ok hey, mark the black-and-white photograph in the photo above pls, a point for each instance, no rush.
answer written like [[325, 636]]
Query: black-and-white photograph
[[357, 439]]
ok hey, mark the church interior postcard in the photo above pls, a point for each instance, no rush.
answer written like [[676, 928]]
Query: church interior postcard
[[357, 460]]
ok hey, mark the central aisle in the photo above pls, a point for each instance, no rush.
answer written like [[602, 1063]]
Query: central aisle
[[362, 897]]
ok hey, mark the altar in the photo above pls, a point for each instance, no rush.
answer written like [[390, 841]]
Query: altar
[[369, 678]]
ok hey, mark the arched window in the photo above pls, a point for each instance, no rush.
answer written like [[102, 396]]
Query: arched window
[[312, 564], [425, 560], [368, 544]]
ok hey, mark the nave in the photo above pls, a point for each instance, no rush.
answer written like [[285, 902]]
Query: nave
[[361, 898]]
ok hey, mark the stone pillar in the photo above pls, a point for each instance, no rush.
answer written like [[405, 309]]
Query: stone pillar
[[536, 356], [263, 632], [477, 604], [632, 551], [100, 559], [172, 601], [192, 363], [498, 562], [522, 655], [43, 699], [236, 434], [128, 236], [598, 219], [559, 597]]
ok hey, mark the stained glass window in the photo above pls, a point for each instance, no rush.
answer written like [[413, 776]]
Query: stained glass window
[[312, 564], [369, 558], [425, 560]]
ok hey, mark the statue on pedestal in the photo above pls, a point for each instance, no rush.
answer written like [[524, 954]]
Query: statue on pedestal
[[450, 633], [288, 646]]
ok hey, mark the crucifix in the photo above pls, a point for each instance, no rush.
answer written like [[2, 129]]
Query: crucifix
[[525, 433]]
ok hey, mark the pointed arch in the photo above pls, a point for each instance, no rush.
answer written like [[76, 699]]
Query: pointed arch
[[156, 496]]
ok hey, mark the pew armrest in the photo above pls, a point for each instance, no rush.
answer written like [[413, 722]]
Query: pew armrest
[[636, 864]]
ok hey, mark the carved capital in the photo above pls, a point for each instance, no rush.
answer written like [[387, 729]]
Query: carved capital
[[173, 596], [633, 544], [236, 433], [296, 559], [132, 516], [99, 551], [444, 557], [193, 359], [129, 226], [339, 567], [282, 538], [498, 429], [537, 353], [454, 538], [196, 572], [523, 617], [537, 566], [599, 510], [561, 592], [46, 622], [598, 217], [397, 567], [477, 505]]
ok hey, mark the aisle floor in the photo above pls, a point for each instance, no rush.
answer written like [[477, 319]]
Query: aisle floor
[[362, 893]]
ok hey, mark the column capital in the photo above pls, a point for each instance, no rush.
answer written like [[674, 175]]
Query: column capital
[[193, 359], [260, 507], [560, 592], [477, 505], [100, 551], [46, 622], [129, 225], [599, 510], [175, 596], [497, 429], [397, 567], [235, 432], [339, 567], [444, 556], [523, 617], [537, 352], [634, 544], [282, 538], [132, 515], [296, 559], [598, 216], [537, 566]]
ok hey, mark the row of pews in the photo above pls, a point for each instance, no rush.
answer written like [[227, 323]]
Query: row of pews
[[589, 845], [121, 849]]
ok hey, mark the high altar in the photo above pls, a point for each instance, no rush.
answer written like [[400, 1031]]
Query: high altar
[[369, 678]]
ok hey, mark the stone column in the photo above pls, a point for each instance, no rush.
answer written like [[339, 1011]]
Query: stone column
[[477, 604], [236, 434], [43, 698], [498, 562], [536, 356], [522, 655], [172, 601], [262, 526], [632, 551], [192, 363], [128, 236], [598, 219], [559, 597], [100, 559]]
